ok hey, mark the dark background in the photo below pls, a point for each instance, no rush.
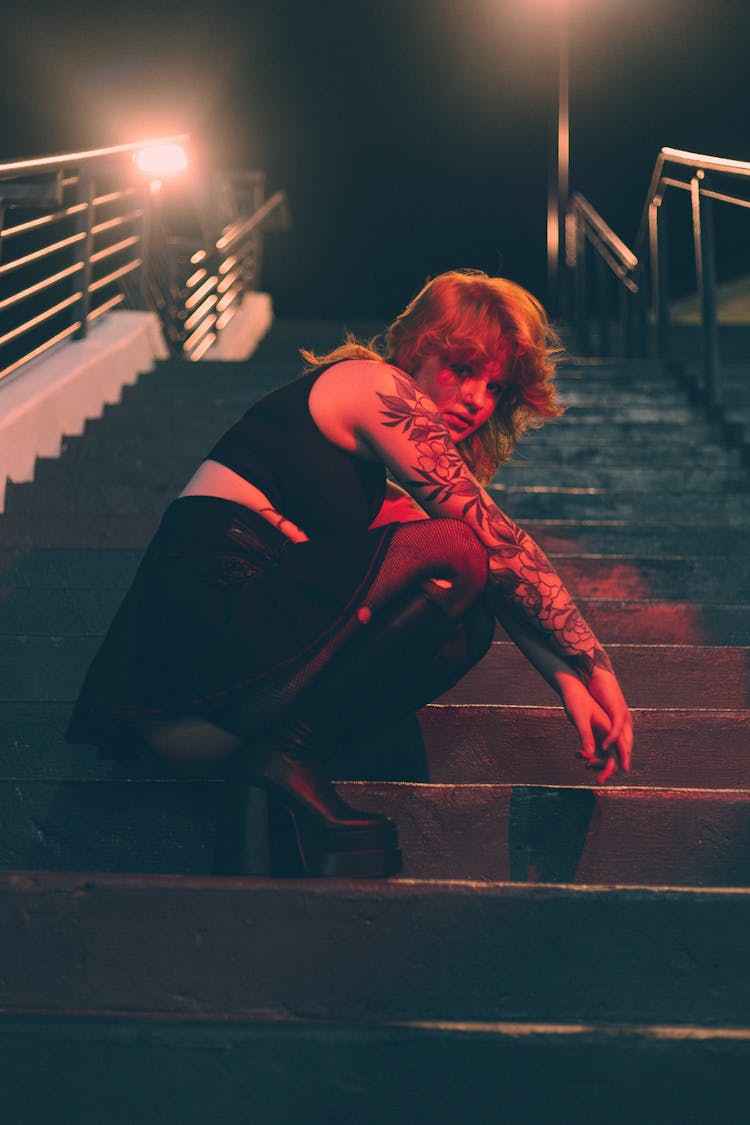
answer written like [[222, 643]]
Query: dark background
[[410, 135]]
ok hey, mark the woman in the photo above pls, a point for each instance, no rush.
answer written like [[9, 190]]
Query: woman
[[292, 597]]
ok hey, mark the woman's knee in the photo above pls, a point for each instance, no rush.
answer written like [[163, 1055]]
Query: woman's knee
[[462, 557]]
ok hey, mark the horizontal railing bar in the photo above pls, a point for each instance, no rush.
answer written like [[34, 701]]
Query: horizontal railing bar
[[45, 252], [722, 198], [241, 230], [200, 312], [604, 232], [228, 299], [41, 349], [194, 278], [47, 163], [203, 347], [105, 307], [228, 264], [207, 287], [668, 181], [694, 160], [40, 319], [200, 331], [117, 221], [44, 221], [115, 275], [113, 196], [40, 286], [604, 251], [226, 318], [115, 248], [707, 163], [228, 281]]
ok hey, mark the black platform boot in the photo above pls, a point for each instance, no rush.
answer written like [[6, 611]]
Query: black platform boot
[[312, 831]]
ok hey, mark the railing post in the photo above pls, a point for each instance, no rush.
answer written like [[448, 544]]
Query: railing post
[[641, 313], [705, 271], [627, 318], [581, 286], [657, 230], [602, 305], [144, 234], [259, 195], [83, 225]]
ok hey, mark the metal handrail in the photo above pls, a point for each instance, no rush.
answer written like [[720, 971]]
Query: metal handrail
[[652, 234], [104, 240], [585, 228], [32, 166], [651, 244]]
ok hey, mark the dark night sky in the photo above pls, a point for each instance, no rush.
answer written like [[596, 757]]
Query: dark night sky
[[410, 135]]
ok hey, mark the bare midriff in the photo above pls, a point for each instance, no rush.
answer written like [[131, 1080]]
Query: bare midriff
[[213, 479]]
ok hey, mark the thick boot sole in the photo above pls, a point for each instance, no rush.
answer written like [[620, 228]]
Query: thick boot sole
[[300, 849]]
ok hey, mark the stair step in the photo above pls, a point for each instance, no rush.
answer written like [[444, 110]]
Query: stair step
[[32, 533], [560, 538], [245, 947], [52, 668], [675, 1075], [533, 451], [681, 747], [525, 506], [658, 676], [627, 478], [678, 747], [488, 832]]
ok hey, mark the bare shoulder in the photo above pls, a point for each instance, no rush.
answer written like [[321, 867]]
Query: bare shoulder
[[352, 375], [350, 393]]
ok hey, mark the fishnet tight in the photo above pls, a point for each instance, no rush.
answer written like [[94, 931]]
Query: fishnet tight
[[407, 643]]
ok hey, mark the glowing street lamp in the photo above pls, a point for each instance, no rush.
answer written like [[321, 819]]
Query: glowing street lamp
[[161, 160]]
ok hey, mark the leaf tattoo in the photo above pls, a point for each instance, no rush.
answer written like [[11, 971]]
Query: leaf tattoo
[[518, 567]]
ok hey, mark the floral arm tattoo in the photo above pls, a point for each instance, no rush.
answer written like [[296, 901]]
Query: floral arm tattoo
[[518, 568]]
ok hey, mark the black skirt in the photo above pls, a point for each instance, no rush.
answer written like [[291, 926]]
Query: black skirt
[[223, 609]]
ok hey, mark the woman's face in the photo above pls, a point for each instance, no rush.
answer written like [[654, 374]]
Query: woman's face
[[465, 394]]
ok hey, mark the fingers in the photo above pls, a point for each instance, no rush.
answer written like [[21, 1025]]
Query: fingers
[[588, 741], [608, 771], [622, 745]]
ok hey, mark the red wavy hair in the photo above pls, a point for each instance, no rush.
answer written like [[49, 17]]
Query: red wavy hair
[[466, 316]]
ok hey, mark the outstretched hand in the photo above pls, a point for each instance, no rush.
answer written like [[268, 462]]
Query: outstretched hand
[[600, 715]]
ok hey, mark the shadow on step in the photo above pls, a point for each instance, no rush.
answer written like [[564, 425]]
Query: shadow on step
[[547, 833]]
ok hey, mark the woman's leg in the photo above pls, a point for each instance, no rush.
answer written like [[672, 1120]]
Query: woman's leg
[[412, 637], [422, 624]]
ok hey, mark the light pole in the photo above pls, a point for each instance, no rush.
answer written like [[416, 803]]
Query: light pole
[[559, 167]]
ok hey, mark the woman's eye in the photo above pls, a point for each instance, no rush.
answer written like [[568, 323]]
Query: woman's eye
[[462, 370]]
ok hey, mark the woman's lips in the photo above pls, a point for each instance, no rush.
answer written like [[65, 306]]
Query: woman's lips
[[457, 419]]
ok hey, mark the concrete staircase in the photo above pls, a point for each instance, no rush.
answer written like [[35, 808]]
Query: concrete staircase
[[552, 952]]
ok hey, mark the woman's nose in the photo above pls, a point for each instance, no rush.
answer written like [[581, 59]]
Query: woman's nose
[[473, 392]]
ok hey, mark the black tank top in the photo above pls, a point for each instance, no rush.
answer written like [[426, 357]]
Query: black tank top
[[277, 447]]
